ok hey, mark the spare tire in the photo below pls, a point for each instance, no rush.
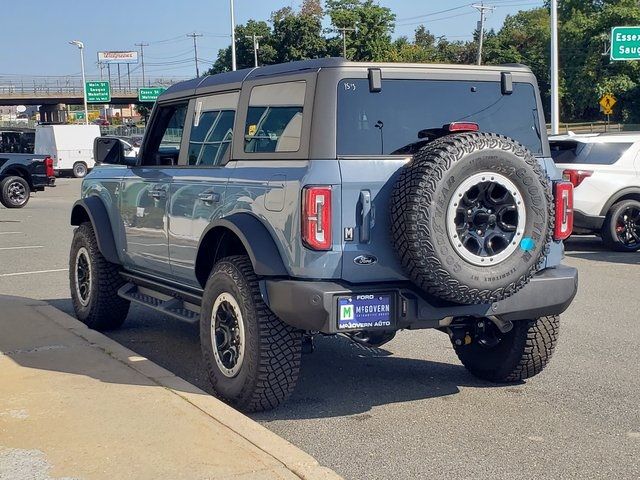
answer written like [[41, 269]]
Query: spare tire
[[472, 217]]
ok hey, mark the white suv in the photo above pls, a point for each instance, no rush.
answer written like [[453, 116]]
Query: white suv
[[605, 172]]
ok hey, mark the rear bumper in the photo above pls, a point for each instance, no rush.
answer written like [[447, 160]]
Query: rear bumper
[[314, 305], [40, 182], [584, 221]]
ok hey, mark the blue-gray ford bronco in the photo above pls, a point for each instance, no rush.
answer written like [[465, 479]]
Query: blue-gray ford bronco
[[326, 197]]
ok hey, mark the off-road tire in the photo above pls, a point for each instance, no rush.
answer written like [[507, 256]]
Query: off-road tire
[[269, 371], [105, 310], [608, 232], [79, 170], [5, 194], [521, 353], [419, 203]]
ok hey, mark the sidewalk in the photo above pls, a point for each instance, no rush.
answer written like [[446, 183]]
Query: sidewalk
[[76, 405]]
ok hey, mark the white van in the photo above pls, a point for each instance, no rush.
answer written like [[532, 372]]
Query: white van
[[70, 146]]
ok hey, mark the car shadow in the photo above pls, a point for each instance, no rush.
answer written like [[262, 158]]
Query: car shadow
[[339, 379], [593, 248]]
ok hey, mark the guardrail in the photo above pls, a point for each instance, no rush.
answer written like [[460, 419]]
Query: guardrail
[[596, 127], [122, 130]]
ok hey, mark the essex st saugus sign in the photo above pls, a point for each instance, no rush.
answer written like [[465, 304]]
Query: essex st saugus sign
[[625, 43]]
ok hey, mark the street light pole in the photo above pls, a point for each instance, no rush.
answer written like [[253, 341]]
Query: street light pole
[[233, 38], [80, 46], [555, 95]]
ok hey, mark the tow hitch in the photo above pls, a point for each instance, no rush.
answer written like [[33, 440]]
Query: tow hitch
[[486, 331]]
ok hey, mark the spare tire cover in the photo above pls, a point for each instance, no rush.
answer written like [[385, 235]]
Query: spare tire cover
[[472, 217]]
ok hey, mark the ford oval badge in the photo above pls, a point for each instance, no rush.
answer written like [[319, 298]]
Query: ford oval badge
[[365, 260]]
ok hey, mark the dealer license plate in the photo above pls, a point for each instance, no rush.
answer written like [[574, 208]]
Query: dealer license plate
[[364, 312]]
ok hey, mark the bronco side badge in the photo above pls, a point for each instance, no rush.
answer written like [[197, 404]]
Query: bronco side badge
[[365, 260]]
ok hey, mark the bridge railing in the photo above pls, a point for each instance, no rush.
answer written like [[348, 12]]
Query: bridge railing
[[48, 91], [46, 87]]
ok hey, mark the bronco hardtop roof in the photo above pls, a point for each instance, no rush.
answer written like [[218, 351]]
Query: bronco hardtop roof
[[234, 80]]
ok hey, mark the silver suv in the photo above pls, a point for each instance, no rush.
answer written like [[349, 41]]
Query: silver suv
[[327, 197]]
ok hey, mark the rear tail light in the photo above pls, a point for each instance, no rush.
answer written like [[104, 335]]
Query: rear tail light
[[576, 176], [316, 217], [48, 167], [462, 127], [564, 210]]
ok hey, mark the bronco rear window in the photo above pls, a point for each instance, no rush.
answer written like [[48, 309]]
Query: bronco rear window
[[388, 122]]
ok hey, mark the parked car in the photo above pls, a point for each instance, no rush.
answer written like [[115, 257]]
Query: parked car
[[22, 174], [327, 197], [101, 122], [70, 146], [605, 171]]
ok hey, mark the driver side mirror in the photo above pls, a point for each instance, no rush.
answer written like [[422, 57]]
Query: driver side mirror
[[109, 150]]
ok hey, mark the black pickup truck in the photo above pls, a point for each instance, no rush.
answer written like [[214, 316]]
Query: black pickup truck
[[21, 174]]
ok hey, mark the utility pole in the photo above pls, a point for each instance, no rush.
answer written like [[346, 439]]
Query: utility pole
[[482, 8], [255, 48], [555, 96], [142, 45], [344, 31], [195, 49], [233, 38]]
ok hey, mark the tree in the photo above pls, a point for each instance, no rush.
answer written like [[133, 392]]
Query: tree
[[298, 35], [372, 39], [244, 47], [294, 36]]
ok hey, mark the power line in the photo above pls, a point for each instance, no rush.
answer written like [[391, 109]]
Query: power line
[[434, 13]]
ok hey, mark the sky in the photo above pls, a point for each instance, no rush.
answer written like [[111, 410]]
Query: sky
[[35, 33]]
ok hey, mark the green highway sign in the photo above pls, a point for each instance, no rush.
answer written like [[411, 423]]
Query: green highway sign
[[150, 94], [98, 92], [79, 115], [625, 43]]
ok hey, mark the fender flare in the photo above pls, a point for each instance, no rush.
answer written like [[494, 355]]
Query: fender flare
[[94, 209], [617, 196], [257, 241]]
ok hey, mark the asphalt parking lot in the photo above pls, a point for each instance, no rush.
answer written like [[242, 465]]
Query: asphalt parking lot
[[409, 410]]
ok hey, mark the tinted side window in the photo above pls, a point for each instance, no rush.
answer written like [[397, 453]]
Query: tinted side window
[[210, 138], [587, 153], [163, 147], [274, 118]]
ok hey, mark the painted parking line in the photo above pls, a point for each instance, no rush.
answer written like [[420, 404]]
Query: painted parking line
[[34, 272], [10, 233], [26, 247]]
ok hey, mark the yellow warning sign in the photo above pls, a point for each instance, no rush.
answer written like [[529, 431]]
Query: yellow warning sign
[[607, 102]]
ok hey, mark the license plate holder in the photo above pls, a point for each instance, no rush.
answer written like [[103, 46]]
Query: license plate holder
[[365, 312]]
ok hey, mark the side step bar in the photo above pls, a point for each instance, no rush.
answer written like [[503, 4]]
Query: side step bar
[[170, 305]]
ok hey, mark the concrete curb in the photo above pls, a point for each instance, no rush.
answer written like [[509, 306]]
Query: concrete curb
[[297, 461]]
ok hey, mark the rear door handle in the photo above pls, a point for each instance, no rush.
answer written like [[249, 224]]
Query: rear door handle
[[365, 227], [209, 197]]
